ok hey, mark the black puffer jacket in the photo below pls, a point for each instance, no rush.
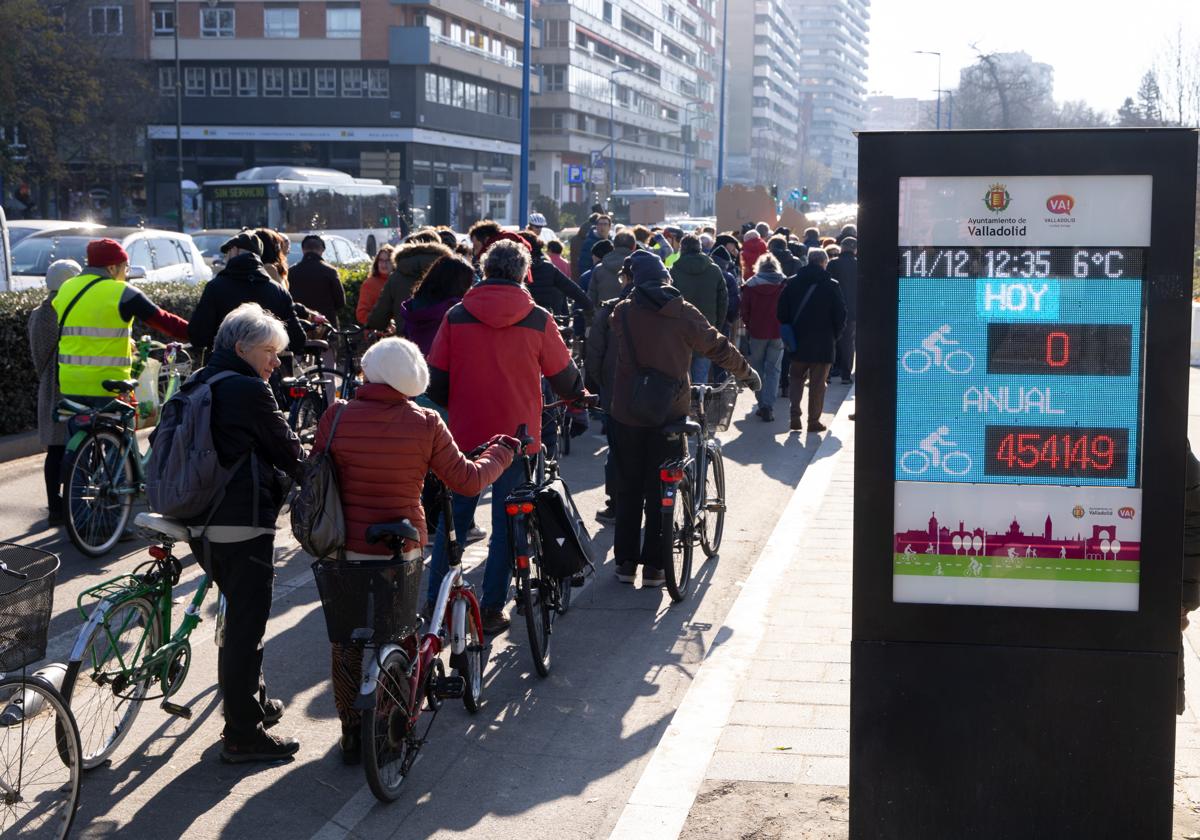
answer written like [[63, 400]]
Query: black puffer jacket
[[551, 288], [242, 280]]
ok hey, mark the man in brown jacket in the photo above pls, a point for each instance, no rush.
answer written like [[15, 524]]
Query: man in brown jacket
[[655, 324]]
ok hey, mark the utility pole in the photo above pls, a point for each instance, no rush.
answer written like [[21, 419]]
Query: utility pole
[[721, 116], [939, 85], [178, 120], [527, 59]]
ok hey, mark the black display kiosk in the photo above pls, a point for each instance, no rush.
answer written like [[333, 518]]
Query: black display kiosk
[[1023, 335]]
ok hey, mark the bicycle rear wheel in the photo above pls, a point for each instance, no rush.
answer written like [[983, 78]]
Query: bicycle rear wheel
[[97, 685], [470, 663], [39, 761], [308, 417], [386, 750], [712, 518], [538, 615], [678, 536], [98, 490]]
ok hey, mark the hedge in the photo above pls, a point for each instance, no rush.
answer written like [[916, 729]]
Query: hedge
[[18, 408]]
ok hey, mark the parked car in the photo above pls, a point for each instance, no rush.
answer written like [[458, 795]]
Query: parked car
[[5, 252], [339, 250], [209, 241], [18, 229], [165, 255]]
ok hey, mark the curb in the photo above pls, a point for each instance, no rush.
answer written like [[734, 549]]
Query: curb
[[659, 804], [20, 445]]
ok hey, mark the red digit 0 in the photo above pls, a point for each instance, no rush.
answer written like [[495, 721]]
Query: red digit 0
[[1064, 351]]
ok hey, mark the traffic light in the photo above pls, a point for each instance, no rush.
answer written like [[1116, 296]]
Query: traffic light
[[775, 191], [804, 193]]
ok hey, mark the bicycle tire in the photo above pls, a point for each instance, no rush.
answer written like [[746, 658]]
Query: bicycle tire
[[28, 740], [87, 478], [385, 730], [712, 523], [337, 381], [564, 432], [86, 704], [677, 538], [470, 664], [308, 416], [538, 618], [564, 594]]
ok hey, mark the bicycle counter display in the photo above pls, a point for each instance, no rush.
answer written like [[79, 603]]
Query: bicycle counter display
[[1019, 371]]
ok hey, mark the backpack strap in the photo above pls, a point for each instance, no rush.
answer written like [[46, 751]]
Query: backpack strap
[[628, 337], [337, 418]]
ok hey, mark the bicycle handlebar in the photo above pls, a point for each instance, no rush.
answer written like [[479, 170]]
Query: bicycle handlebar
[[18, 575], [727, 385], [586, 401]]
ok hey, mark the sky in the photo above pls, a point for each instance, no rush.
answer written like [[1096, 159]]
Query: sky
[[1099, 48]]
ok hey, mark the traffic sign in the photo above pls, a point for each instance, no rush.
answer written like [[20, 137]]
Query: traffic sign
[[599, 176], [574, 174]]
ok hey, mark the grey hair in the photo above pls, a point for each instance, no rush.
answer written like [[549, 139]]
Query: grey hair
[[817, 256], [767, 263], [250, 325], [506, 260]]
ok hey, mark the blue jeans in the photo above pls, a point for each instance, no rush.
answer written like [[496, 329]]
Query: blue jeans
[[766, 355], [700, 368], [497, 571]]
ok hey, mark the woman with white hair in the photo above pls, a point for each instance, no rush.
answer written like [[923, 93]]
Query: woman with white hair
[[43, 347], [384, 445]]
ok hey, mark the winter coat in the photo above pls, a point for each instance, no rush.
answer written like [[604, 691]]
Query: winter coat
[[317, 285], [844, 269], [600, 360], [419, 320], [1191, 533], [488, 360], [562, 265], [583, 259], [752, 249], [702, 285], [242, 280], [760, 304], [551, 288], [43, 348], [606, 277], [788, 264], [368, 296], [383, 447], [665, 331], [411, 261], [820, 324]]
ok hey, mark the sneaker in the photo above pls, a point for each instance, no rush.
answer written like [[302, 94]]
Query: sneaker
[[351, 745], [262, 747], [494, 622], [847, 380], [851, 416], [626, 572], [653, 578], [272, 712], [578, 580], [767, 414], [607, 516], [758, 411], [818, 426], [475, 534], [796, 425]]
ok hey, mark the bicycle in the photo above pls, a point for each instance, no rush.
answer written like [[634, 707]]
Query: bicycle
[[402, 671], [964, 365], [314, 388], [916, 462], [126, 644], [103, 467], [693, 487], [39, 740]]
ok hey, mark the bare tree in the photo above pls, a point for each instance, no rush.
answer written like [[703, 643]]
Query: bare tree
[[1005, 90], [1178, 74]]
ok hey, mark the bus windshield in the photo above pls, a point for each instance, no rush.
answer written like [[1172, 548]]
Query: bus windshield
[[237, 206]]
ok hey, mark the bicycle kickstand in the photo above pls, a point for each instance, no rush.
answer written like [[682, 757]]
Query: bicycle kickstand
[[175, 709]]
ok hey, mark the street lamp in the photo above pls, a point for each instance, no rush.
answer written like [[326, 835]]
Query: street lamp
[[721, 107], [526, 59], [178, 120], [939, 86], [612, 136]]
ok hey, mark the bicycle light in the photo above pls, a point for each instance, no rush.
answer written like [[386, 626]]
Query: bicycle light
[[297, 392], [518, 507], [522, 561], [673, 475], [158, 552]]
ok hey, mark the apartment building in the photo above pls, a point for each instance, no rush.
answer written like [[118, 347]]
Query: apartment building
[[630, 84]]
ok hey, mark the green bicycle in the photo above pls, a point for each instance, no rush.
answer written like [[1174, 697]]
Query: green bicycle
[[126, 649]]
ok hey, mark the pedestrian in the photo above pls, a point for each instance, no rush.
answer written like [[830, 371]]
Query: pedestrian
[[653, 241], [236, 541], [382, 431], [535, 224], [812, 239], [813, 312], [599, 251], [845, 270], [673, 236], [372, 287], [579, 255], [605, 282], [702, 284], [760, 302], [486, 367], [777, 246], [753, 247], [443, 285], [42, 329], [601, 229], [554, 253], [411, 260], [655, 326], [447, 236], [274, 254], [315, 283], [551, 289], [764, 230], [847, 231]]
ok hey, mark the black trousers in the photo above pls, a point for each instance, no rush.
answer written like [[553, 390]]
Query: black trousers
[[844, 364], [245, 573], [637, 454], [52, 470]]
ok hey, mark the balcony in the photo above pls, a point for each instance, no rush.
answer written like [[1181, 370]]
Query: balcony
[[416, 45], [489, 14]]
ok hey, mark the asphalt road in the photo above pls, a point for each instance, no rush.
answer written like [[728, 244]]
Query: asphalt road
[[545, 757]]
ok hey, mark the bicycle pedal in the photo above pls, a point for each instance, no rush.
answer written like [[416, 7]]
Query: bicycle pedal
[[450, 688], [177, 710], [715, 507]]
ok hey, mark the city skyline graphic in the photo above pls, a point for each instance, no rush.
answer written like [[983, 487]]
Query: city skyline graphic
[[1103, 543]]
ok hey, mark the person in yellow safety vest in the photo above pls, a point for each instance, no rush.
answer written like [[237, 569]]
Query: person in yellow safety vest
[[95, 311]]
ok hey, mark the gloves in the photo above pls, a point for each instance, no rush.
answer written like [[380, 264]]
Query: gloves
[[751, 380], [506, 440]]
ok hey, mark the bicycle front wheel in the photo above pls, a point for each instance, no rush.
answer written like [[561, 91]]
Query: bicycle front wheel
[[308, 416], [39, 761], [470, 663], [386, 749], [538, 618], [99, 491], [677, 538], [712, 521], [99, 686]]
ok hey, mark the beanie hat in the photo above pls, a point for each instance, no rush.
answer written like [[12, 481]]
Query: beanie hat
[[751, 235], [104, 252], [398, 363], [244, 241], [59, 272], [647, 269]]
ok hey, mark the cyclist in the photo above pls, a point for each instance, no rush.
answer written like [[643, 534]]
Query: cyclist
[[664, 330], [411, 260], [932, 445], [551, 288], [934, 342], [95, 312]]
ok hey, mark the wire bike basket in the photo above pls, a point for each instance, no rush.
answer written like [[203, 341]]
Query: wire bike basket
[[25, 604], [377, 594], [718, 408]]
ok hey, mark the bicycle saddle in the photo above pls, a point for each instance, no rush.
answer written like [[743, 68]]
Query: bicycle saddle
[[172, 529], [316, 345], [119, 386], [385, 531], [682, 427]]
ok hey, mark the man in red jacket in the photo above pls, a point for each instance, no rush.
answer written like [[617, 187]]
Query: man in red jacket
[[486, 365]]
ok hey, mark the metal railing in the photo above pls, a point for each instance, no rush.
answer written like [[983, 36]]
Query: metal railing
[[482, 53]]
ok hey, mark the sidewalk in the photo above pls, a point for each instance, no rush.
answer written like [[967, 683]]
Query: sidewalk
[[759, 748]]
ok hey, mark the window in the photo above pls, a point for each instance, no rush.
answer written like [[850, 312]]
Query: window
[[378, 82], [503, 110], [470, 95], [166, 81], [352, 81], [163, 18], [343, 22], [556, 33], [222, 81], [298, 81], [326, 81], [431, 87], [281, 22], [556, 121], [216, 23], [444, 87], [554, 78], [193, 81], [247, 81], [106, 20], [459, 97], [272, 81]]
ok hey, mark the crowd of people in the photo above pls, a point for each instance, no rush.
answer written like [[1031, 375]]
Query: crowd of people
[[465, 345]]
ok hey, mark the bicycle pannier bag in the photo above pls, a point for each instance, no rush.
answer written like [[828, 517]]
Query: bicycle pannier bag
[[653, 393], [566, 544], [317, 520], [184, 477]]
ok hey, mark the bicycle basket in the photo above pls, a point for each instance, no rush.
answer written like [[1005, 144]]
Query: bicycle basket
[[25, 605], [379, 594], [718, 408]]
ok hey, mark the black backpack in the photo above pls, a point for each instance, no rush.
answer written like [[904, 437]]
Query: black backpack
[[566, 543]]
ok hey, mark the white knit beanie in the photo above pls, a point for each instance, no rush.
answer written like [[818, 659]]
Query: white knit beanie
[[59, 272], [397, 362]]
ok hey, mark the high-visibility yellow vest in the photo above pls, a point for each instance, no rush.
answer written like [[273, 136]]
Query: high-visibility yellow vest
[[95, 338]]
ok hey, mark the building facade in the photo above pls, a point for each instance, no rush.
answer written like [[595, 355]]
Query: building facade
[[899, 113]]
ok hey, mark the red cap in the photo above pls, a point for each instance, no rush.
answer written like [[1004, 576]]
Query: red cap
[[104, 252]]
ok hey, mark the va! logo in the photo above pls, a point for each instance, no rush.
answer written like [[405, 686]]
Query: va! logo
[[1060, 205], [1125, 513], [997, 198]]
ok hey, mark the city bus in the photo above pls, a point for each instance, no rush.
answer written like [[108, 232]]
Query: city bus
[[299, 199]]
